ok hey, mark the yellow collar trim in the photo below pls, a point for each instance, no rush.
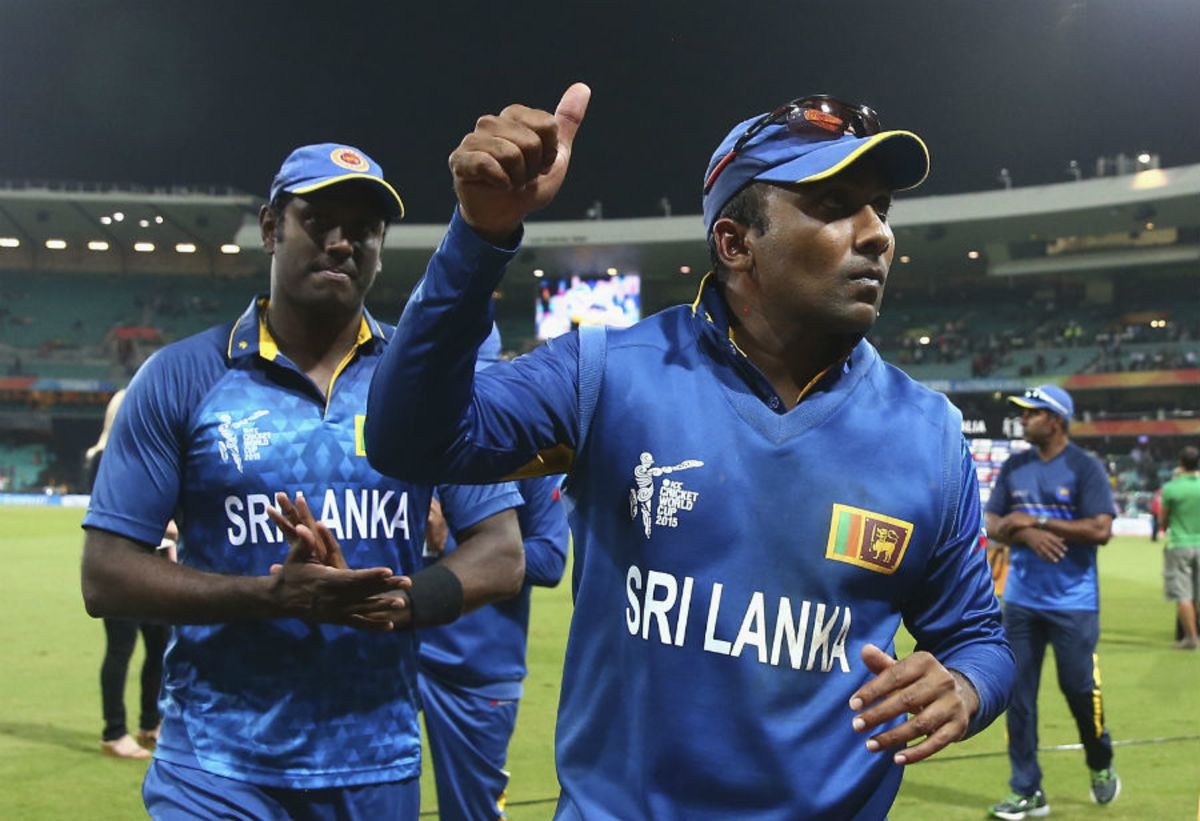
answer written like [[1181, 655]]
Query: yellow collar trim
[[268, 348]]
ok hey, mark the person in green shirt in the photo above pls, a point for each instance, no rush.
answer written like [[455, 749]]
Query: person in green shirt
[[1180, 517]]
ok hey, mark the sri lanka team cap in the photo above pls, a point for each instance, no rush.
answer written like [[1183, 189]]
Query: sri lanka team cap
[[1050, 397], [313, 167], [780, 154]]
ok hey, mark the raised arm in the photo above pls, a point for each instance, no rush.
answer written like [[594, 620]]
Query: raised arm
[[429, 417]]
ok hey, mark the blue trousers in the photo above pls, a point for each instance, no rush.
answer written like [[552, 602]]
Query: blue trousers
[[1073, 635], [175, 793], [468, 741]]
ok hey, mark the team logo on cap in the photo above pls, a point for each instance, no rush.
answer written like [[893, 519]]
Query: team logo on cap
[[867, 539], [349, 159]]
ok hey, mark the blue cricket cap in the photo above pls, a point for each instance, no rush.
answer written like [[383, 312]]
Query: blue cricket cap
[[1048, 397], [489, 351], [780, 155], [313, 167]]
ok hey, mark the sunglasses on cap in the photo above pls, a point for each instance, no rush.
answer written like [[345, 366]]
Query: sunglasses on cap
[[1039, 396], [818, 113]]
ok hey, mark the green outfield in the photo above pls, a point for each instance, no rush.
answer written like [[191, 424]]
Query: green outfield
[[50, 766]]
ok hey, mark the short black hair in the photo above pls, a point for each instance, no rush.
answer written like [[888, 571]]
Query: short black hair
[[1189, 458], [747, 207]]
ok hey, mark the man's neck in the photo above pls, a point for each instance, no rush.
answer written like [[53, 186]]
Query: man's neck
[[1056, 445], [313, 340], [790, 363]]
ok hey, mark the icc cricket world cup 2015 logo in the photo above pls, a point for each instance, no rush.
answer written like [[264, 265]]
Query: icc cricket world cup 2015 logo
[[672, 495]]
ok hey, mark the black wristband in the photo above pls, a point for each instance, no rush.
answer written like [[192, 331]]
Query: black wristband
[[436, 596]]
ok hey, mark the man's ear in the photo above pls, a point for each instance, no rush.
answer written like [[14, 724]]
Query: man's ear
[[267, 225], [729, 240]]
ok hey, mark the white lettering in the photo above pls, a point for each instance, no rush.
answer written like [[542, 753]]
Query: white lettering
[[839, 644], [711, 643], [256, 505], [401, 518], [330, 514], [795, 633], [365, 515], [752, 629], [356, 511], [379, 514], [672, 498], [658, 608], [820, 637], [237, 529], [654, 596], [685, 607], [633, 613]]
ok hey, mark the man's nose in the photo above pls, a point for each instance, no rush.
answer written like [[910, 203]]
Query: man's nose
[[337, 240], [873, 236]]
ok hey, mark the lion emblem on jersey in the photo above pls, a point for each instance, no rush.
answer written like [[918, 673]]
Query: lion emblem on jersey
[[867, 539]]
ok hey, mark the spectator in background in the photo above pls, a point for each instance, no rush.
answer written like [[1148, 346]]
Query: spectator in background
[[120, 639], [1180, 518], [1053, 505]]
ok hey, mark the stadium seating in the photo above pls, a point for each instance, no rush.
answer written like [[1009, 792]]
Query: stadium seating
[[22, 465]]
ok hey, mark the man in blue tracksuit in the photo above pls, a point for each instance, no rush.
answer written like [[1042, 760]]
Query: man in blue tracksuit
[[1054, 506], [471, 671], [758, 499]]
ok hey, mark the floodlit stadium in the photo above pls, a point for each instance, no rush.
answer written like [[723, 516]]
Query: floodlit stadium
[[1091, 284], [1055, 243]]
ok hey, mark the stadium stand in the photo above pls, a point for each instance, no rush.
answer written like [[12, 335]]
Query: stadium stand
[[1092, 284]]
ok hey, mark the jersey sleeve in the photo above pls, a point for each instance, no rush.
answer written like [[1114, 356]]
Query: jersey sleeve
[[1166, 496], [1095, 492], [999, 503], [544, 530], [465, 506], [955, 616], [430, 417], [137, 487]]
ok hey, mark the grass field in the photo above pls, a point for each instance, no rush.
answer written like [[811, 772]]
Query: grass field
[[50, 654]]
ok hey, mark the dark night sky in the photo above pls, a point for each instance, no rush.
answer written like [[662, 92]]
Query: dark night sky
[[213, 91]]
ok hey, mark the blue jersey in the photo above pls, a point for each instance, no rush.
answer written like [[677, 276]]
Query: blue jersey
[[731, 560], [211, 428], [1072, 485], [484, 651]]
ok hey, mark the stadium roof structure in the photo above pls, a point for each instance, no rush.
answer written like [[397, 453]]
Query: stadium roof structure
[[1104, 224], [104, 228]]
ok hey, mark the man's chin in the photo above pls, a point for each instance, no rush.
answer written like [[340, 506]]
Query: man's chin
[[858, 321]]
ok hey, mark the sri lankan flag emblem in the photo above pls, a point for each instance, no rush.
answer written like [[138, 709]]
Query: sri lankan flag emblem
[[867, 539]]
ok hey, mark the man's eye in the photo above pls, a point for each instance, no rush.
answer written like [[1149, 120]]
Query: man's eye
[[835, 203]]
